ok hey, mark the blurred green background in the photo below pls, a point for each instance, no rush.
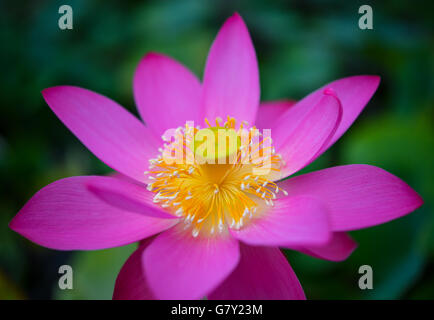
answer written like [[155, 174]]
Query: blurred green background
[[301, 45]]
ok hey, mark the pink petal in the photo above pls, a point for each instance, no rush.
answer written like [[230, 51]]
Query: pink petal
[[339, 248], [269, 112], [114, 135], [231, 79], [179, 266], [300, 146], [292, 221], [121, 176], [65, 216], [128, 196], [353, 93], [131, 283], [358, 196], [262, 274], [167, 94]]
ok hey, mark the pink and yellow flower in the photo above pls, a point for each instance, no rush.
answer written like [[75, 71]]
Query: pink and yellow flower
[[212, 230]]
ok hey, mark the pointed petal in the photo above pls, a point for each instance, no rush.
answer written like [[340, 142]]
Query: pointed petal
[[65, 216], [131, 283], [270, 112], [128, 196], [262, 274], [231, 79], [291, 221], [114, 135], [300, 146], [179, 266], [339, 248], [167, 94], [358, 196], [353, 92]]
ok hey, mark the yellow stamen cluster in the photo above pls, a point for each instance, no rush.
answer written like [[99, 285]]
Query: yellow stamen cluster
[[211, 197]]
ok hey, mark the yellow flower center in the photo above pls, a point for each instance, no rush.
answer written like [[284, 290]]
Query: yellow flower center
[[218, 178]]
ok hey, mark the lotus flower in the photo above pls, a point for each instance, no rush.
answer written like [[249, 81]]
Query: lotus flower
[[212, 230]]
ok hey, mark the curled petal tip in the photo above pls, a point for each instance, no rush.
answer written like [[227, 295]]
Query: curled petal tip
[[330, 92], [45, 92], [236, 15], [373, 78], [12, 225], [153, 55], [419, 200], [236, 18]]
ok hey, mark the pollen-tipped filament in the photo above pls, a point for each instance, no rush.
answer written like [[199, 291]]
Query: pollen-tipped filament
[[215, 178]]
